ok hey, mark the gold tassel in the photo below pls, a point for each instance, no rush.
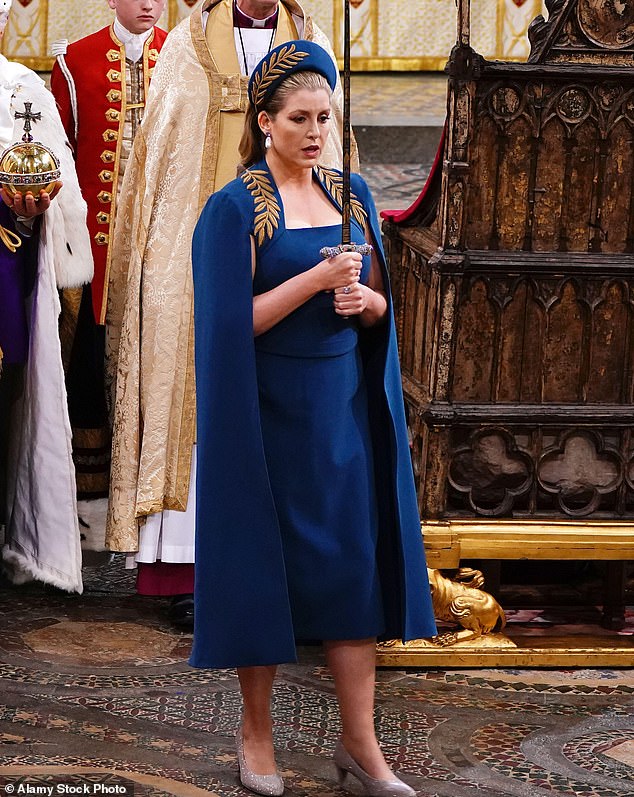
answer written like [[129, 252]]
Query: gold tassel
[[10, 239]]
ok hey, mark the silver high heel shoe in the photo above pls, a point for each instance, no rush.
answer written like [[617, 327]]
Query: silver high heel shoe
[[372, 787], [268, 785]]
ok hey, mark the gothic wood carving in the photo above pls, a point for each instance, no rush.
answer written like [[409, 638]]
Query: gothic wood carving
[[514, 288]]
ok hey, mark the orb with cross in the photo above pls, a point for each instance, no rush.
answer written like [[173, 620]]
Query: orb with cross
[[28, 166]]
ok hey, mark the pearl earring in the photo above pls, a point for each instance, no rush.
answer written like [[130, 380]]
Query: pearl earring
[[267, 141]]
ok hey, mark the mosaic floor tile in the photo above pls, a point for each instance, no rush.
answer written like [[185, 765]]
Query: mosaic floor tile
[[623, 752], [395, 186], [501, 747], [398, 99], [581, 681], [101, 643], [595, 753]]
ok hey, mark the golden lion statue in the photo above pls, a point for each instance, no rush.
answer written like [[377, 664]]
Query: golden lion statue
[[460, 600]]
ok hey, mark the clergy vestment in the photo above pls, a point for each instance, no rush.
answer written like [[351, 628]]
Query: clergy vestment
[[42, 538], [185, 150], [166, 539]]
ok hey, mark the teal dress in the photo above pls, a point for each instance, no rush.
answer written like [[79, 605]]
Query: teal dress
[[318, 449], [306, 512]]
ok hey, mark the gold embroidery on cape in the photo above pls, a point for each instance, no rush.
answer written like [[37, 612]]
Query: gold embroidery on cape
[[273, 69], [267, 209], [333, 183]]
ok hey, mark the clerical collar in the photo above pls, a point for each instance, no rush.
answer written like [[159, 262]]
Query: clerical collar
[[242, 20], [133, 42]]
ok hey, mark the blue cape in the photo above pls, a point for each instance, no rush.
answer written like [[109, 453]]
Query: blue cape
[[242, 612]]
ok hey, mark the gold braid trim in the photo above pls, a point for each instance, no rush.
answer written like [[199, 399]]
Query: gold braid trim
[[333, 183], [12, 241], [272, 69], [267, 209]]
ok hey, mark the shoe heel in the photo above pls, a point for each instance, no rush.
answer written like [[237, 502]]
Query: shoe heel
[[372, 787], [341, 774], [268, 785]]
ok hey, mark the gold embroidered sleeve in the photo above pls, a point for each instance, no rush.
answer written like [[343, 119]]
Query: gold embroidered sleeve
[[333, 182], [266, 206]]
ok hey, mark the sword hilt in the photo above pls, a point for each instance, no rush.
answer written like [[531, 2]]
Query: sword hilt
[[333, 251]]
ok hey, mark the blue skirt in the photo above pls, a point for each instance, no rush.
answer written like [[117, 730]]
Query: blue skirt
[[315, 429]]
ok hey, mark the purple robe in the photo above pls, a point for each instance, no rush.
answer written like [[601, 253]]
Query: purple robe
[[15, 284]]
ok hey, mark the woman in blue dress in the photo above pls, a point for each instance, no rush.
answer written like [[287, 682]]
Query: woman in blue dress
[[307, 527]]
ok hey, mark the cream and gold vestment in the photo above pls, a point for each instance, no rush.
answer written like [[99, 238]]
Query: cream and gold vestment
[[186, 149]]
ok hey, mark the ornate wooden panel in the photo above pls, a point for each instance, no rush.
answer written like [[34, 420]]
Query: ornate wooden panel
[[514, 282], [529, 142]]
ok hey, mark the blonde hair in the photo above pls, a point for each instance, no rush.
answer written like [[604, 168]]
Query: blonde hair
[[251, 147]]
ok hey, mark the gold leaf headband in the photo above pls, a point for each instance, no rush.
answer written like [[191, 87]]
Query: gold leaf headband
[[273, 69]]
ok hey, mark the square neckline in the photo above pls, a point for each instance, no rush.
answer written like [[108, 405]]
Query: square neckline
[[316, 179], [316, 227]]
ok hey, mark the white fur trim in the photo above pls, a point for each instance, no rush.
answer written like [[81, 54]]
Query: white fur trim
[[20, 569], [42, 534], [93, 528], [5, 7], [42, 530]]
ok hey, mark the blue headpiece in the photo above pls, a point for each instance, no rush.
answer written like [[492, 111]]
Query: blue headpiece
[[285, 60]]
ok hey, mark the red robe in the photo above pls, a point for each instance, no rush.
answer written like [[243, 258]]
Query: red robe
[[90, 90]]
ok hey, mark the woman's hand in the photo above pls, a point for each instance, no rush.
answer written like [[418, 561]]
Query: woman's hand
[[339, 271], [352, 299], [368, 303], [28, 206]]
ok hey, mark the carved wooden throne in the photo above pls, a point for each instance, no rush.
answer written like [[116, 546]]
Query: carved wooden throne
[[513, 277]]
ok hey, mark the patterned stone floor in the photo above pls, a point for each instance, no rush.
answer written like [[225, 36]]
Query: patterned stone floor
[[96, 695], [395, 186], [405, 99], [396, 116]]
